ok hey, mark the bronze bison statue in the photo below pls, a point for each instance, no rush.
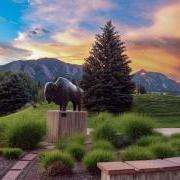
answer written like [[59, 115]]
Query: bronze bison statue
[[61, 92]]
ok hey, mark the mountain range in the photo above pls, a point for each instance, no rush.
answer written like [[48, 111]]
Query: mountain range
[[48, 69]]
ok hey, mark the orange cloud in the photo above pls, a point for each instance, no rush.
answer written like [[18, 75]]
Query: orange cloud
[[156, 48]]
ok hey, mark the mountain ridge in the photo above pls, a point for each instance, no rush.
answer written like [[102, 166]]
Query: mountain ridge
[[48, 69]]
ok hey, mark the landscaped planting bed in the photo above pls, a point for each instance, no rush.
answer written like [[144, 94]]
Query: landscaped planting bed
[[115, 138]]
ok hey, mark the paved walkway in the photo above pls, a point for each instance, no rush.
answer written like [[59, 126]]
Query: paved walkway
[[164, 131], [16, 170], [168, 131]]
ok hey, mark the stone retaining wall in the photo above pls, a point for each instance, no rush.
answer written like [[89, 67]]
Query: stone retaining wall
[[166, 169]]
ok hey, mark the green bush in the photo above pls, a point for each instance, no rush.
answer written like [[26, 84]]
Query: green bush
[[92, 158], [137, 126], [149, 140], [56, 162], [102, 118], [175, 136], [105, 131], [103, 145], [163, 150], [26, 134], [136, 153], [176, 144], [77, 138], [77, 151], [11, 153], [62, 144]]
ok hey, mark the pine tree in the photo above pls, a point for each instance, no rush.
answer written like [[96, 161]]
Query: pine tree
[[16, 89], [106, 74]]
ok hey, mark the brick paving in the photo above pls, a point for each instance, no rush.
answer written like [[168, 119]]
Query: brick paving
[[29, 157], [20, 165], [12, 175]]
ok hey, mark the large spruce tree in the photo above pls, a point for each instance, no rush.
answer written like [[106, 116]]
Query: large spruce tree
[[106, 74]]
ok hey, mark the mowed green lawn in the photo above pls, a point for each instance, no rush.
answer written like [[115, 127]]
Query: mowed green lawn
[[164, 110]]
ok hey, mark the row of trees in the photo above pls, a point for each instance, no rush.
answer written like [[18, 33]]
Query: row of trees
[[16, 89]]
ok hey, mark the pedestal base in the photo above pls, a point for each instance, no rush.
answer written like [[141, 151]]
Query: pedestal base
[[62, 124]]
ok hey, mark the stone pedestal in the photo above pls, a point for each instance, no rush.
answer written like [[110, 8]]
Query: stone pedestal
[[62, 124]]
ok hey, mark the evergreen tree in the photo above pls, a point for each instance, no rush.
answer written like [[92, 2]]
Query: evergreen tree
[[16, 89], [106, 74]]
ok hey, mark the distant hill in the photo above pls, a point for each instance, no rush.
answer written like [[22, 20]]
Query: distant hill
[[44, 69], [156, 82], [48, 69]]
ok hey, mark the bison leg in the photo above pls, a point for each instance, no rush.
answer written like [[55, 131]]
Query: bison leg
[[74, 106], [60, 107], [64, 107], [79, 107]]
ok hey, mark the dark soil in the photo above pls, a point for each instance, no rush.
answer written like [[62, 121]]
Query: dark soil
[[5, 165], [33, 172]]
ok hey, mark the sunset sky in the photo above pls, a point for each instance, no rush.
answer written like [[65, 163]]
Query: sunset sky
[[65, 29]]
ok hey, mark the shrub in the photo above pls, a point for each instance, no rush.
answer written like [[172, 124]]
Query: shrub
[[76, 151], [102, 118], [77, 138], [56, 162], [163, 150], [103, 145], [137, 126], [149, 140], [92, 158], [105, 131], [175, 136], [11, 153], [62, 144], [136, 153], [26, 134], [176, 144]]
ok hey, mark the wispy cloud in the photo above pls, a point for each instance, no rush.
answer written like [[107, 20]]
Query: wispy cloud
[[54, 29], [157, 47], [10, 53]]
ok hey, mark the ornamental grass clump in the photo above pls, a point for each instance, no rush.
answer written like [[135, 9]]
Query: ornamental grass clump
[[102, 117], [56, 162], [26, 134], [105, 131], [163, 150], [77, 151], [64, 143], [11, 153], [152, 139], [137, 126], [103, 145], [93, 157], [133, 153]]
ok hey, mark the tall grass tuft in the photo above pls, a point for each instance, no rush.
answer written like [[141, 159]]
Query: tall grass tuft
[[25, 134], [163, 150], [56, 162], [136, 125], [150, 140], [92, 158], [105, 131], [133, 153]]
